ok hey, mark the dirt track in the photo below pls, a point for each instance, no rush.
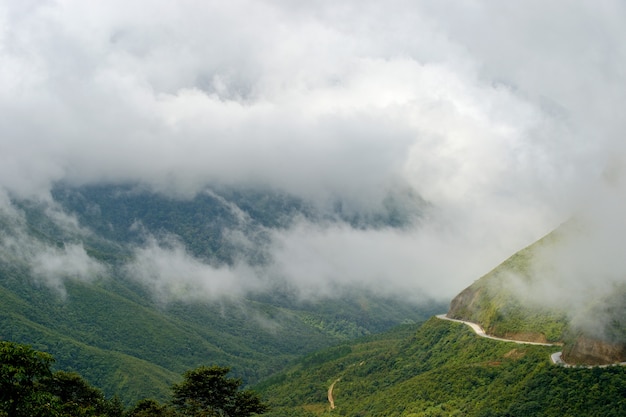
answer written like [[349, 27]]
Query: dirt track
[[331, 400]]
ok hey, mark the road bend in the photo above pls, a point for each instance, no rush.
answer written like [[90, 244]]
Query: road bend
[[555, 358]]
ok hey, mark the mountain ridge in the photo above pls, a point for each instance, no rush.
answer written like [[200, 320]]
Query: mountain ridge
[[492, 302]]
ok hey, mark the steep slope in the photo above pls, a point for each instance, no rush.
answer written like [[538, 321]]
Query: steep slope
[[442, 369], [494, 301]]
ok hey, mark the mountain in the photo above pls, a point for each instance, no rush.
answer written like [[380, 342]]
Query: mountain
[[84, 277], [499, 303], [441, 368], [72, 284], [492, 302]]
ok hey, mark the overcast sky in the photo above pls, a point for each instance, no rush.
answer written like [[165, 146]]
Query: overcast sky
[[505, 116]]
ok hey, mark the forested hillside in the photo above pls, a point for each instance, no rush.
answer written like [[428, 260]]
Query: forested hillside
[[442, 369], [66, 288]]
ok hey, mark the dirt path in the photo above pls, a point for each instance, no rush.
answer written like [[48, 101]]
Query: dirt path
[[331, 400]]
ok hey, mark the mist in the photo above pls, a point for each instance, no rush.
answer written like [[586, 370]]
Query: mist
[[48, 263], [580, 269], [505, 119], [170, 273]]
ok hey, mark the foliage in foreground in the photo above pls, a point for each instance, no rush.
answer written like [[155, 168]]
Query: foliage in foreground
[[208, 390], [29, 388]]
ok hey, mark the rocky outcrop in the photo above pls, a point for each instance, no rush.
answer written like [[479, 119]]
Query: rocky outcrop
[[590, 351], [464, 304]]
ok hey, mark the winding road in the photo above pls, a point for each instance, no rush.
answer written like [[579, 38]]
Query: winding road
[[555, 357], [481, 332]]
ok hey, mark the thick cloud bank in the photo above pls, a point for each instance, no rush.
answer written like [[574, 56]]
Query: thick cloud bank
[[503, 117]]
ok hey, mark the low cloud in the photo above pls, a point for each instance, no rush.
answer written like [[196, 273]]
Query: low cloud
[[54, 266], [581, 269], [502, 117], [49, 263], [171, 273], [317, 260], [326, 260]]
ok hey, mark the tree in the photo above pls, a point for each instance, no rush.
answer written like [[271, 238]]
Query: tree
[[28, 388], [150, 408], [72, 388], [76, 396], [207, 392], [22, 372]]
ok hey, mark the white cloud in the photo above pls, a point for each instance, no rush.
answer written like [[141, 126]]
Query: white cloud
[[49, 263], [503, 116], [582, 271], [169, 272], [324, 261], [56, 265]]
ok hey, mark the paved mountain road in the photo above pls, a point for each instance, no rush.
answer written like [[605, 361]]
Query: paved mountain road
[[481, 332], [555, 357]]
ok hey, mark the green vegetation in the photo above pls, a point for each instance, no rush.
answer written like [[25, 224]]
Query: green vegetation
[[29, 388], [437, 369], [442, 369], [112, 330], [492, 302], [207, 391], [137, 349]]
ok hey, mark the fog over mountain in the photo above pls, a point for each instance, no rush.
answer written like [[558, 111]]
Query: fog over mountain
[[504, 119]]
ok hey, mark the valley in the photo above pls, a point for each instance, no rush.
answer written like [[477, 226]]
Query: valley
[[357, 354], [73, 283]]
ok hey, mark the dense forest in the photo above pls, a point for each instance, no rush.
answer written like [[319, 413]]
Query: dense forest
[[439, 368], [442, 369]]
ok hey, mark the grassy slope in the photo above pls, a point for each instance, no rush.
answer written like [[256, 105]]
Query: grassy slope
[[491, 302], [442, 369]]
